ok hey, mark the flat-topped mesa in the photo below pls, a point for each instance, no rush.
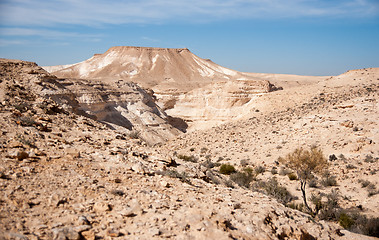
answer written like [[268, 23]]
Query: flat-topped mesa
[[123, 48], [158, 68]]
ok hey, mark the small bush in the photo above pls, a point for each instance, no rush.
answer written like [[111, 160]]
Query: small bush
[[243, 179], [272, 188], [329, 180], [244, 162], [330, 209], [342, 157], [227, 169], [364, 225], [313, 183], [364, 183], [292, 176], [259, 169], [370, 159], [187, 158], [346, 221], [371, 188], [209, 164]]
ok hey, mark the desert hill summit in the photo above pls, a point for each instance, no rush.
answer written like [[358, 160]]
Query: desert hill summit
[[187, 86], [65, 175]]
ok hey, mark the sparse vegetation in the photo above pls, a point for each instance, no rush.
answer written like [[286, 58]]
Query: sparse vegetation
[[175, 174], [370, 159], [259, 169], [272, 188], [243, 178], [328, 180], [364, 183], [342, 157], [345, 221], [350, 166], [187, 158]]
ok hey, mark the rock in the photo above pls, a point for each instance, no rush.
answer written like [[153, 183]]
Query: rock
[[113, 232], [89, 235], [139, 168], [83, 221], [101, 207], [165, 184], [133, 210], [66, 233], [18, 154], [13, 236], [57, 200], [72, 152]]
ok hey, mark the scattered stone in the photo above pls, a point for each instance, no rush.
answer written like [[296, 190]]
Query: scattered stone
[[113, 232], [89, 235], [101, 207], [165, 184]]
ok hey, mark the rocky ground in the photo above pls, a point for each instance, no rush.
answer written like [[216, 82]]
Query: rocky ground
[[67, 176]]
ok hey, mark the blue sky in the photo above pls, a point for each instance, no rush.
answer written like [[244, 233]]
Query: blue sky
[[307, 37]]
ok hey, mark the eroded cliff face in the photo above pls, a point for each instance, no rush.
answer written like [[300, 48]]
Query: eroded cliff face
[[218, 102], [121, 105]]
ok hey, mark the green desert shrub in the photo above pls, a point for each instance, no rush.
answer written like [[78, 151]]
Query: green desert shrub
[[227, 169], [187, 158], [292, 176], [346, 221]]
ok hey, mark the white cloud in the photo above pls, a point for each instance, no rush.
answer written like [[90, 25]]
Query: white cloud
[[100, 12], [5, 42], [46, 33]]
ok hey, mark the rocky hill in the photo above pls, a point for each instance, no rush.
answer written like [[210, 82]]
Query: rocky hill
[[64, 175], [121, 105]]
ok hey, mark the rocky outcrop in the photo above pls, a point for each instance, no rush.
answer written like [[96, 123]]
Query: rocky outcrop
[[123, 105]]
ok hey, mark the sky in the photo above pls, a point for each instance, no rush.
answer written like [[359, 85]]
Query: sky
[[305, 37]]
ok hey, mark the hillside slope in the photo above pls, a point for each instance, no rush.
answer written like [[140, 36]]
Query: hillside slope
[[340, 115], [67, 176]]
